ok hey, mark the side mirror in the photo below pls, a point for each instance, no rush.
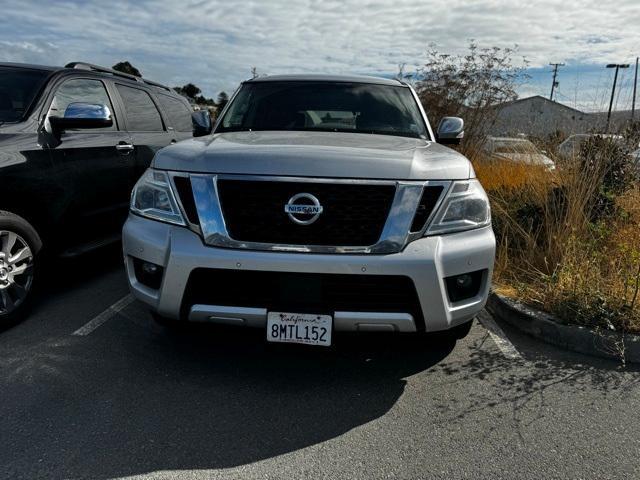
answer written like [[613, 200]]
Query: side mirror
[[201, 123], [450, 131], [82, 115]]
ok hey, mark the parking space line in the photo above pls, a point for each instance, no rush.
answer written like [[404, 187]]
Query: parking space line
[[506, 347], [98, 320]]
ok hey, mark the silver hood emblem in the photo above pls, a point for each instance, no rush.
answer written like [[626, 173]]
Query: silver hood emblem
[[303, 208]]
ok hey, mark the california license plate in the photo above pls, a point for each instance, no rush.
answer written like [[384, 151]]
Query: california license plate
[[309, 329]]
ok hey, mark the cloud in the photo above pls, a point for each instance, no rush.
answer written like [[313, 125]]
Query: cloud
[[28, 52], [215, 43]]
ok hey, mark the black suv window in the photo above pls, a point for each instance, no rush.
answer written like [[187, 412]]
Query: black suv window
[[178, 113], [80, 90], [18, 89], [142, 114]]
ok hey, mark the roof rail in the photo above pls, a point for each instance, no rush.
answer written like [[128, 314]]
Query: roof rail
[[98, 68]]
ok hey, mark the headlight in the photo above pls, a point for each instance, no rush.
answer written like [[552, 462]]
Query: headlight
[[152, 197], [466, 206]]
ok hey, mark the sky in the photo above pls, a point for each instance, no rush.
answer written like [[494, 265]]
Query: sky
[[215, 43]]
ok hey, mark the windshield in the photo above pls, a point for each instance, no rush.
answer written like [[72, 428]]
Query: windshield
[[18, 88], [325, 106]]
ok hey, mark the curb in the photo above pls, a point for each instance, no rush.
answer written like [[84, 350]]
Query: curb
[[579, 339]]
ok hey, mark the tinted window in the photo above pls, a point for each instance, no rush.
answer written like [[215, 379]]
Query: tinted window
[[18, 89], [142, 114], [325, 106], [178, 113], [80, 90]]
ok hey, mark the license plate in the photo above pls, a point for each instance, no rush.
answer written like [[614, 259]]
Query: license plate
[[309, 329]]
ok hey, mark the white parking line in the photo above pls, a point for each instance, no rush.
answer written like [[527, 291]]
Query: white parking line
[[498, 336], [98, 320]]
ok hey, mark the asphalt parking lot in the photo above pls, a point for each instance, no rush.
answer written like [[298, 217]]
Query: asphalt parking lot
[[125, 398]]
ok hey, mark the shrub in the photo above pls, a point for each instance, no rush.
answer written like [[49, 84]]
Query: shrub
[[559, 248]]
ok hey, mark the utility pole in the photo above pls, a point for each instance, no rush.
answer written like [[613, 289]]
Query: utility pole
[[635, 85], [554, 84], [617, 66]]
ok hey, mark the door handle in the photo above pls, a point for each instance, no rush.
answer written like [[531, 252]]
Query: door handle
[[124, 148]]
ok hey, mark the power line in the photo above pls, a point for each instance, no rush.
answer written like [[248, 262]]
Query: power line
[[554, 84], [635, 85], [617, 66]]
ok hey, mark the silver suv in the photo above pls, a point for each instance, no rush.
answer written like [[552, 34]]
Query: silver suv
[[318, 204]]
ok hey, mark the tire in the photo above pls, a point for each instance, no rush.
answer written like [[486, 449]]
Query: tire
[[20, 246]]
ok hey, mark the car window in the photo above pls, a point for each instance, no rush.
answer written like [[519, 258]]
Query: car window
[[18, 89], [179, 114], [80, 90], [142, 114]]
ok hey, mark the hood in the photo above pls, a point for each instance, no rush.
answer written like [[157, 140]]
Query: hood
[[315, 154]]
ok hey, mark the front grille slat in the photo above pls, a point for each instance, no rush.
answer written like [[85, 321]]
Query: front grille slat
[[353, 214]]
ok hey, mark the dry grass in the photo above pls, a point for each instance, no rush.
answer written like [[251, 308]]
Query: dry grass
[[567, 242]]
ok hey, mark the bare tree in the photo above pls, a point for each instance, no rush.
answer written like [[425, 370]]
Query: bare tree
[[469, 85]]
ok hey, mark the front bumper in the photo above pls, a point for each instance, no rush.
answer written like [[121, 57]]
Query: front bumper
[[426, 261]]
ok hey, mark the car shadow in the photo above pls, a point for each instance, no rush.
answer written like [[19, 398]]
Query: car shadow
[[149, 399], [58, 279], [64, 274]]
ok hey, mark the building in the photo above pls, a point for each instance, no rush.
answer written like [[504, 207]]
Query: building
[[540, 117]]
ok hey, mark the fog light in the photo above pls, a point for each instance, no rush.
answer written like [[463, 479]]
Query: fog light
[[464, 281], [147, 273], [149, 268], [464, 286]]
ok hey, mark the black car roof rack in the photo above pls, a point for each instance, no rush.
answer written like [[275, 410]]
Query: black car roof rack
[[98, 68]]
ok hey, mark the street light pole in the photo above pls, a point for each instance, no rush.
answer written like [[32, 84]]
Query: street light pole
[[617, 66]]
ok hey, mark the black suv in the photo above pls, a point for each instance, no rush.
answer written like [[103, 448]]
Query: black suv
[[73, 142]]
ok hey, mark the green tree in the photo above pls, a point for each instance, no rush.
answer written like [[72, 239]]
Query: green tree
[[191, 91], [223, 99], [126, 67]]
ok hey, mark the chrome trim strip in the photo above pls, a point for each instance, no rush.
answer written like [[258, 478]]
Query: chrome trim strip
[[176, 195], [445, 191], [395, 234], [373, 321], [240, 316], [212, 226], [403, 209]]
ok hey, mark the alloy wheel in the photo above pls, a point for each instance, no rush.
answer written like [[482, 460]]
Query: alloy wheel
[[16, 271]]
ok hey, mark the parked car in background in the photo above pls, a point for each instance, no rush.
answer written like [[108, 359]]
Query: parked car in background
[[572, 145], [73, 142], [635, 159], [319, 204], [517, 150]]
